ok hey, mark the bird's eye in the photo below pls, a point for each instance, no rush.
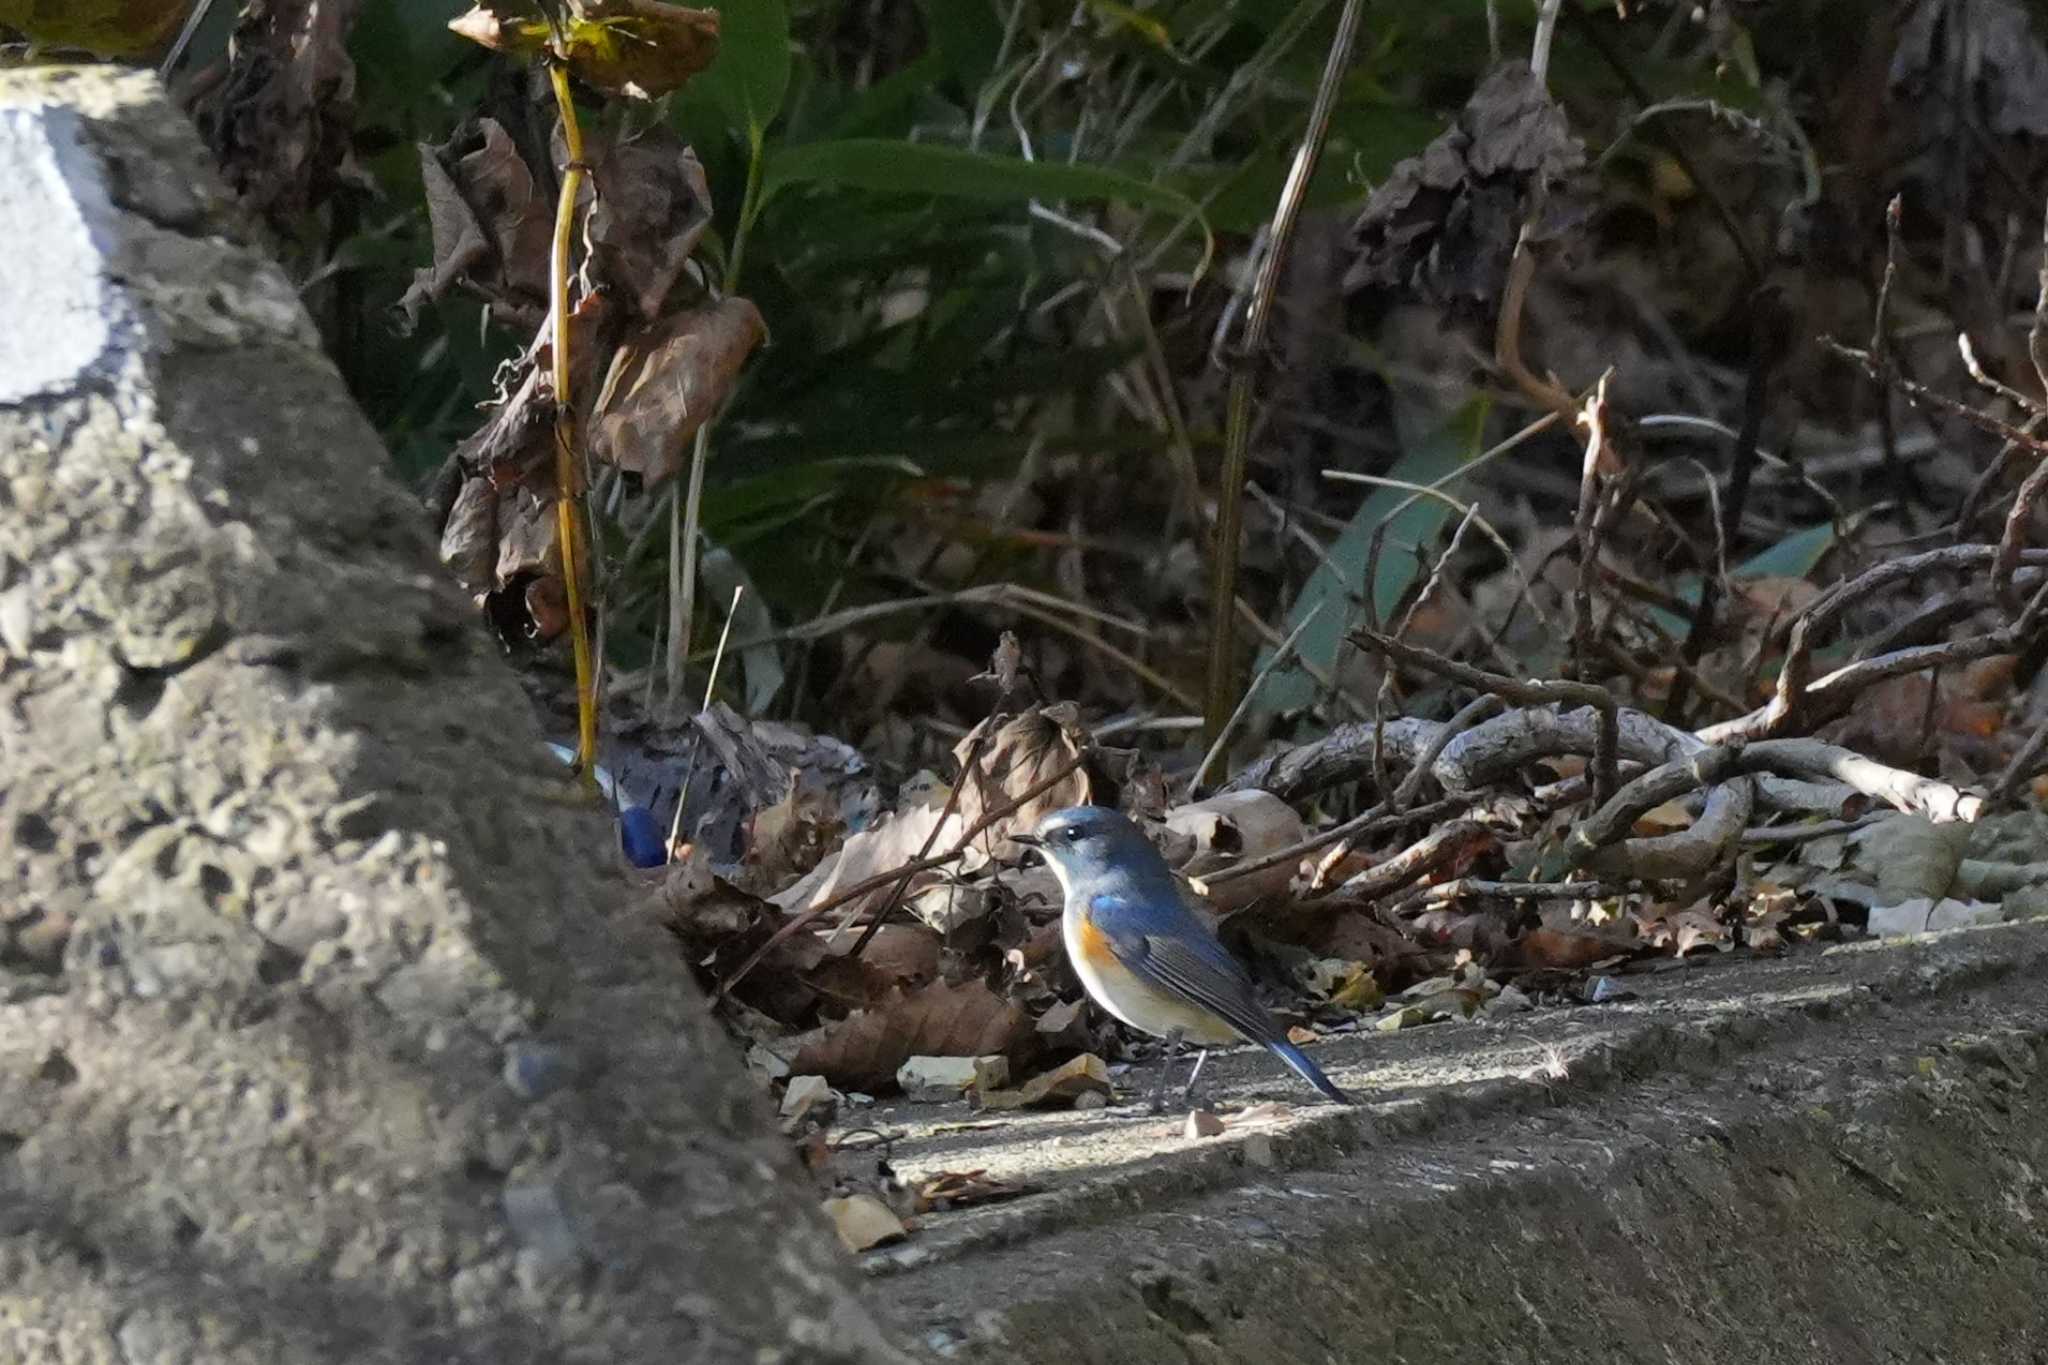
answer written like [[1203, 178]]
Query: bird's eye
[[1073, 834]]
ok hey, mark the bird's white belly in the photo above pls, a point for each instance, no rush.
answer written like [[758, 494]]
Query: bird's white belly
[[1137, 1004]]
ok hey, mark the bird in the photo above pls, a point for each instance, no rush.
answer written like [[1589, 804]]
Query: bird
[[1143, 954], [640, 834]]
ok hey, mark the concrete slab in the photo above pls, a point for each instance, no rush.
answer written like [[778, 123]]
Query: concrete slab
[[1839, 1157]]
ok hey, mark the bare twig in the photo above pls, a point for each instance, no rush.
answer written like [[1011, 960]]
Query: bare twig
[[1359, 826], [1886, 370], [1478, 888], [1742, 462], [1258, 321], [1507, 335], [675, 823], [1880, 345], [184, 40], [2012, 541], [1594, 419], [1539, 47], [2037, 335], [1806, 833], [1991, 383], [1795, 676], [2031, 758]]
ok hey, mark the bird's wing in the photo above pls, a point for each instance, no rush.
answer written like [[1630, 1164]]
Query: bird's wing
[[1183, 959]]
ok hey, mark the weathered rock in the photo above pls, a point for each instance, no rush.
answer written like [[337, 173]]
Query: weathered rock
[[314, 1042]]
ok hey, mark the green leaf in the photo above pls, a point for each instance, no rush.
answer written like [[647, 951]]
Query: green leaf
[[751, 75], [1793, 557], [968, 35], [890, 102], [1796, 556], [887, 166], [1339, 582]]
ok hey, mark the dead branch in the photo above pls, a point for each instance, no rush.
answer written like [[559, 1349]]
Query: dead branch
[[1440, 846], [1690, 852], [1470, 714], [1343, 756], [1906, 791], [1616, 816], [1510, 689], [1478, 888], [1371, 822], [1795, 677]]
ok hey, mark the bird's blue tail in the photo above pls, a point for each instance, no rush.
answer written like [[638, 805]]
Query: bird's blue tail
[[1307, 1070]]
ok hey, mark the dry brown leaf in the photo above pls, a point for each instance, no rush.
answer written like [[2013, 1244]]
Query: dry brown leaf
[[862, 1051], [1894, 720], [492, 225], [1445, 222], [1664, 819], [1020, 752], [1483, 932], [957, 1189], [668, 381], [515, 447], [1561, 948], [1233, 828], [889, 844], [651, 206], [1680, 929], [899, 957], [791, 836], [469, 537], [547, 606], [638, 48], [526, 538], [282, 121]]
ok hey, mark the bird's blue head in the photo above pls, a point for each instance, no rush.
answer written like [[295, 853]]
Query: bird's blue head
[[1095, 849]]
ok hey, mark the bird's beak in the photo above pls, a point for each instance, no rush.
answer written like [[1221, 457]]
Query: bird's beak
[[1028, 840]]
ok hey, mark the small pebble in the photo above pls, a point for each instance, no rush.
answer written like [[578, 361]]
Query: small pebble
[[1091, 1099], [1258, 1151], [1203, 1124]]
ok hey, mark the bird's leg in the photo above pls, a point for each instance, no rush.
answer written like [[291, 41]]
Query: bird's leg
[[1187, 1098], [1170, 1048]]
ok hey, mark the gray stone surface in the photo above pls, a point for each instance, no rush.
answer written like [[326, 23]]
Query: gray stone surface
[[1839, 1157], [315, 1044]]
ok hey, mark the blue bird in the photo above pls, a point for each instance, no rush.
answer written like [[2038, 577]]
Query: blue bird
[[1143, 954], [640, 835]]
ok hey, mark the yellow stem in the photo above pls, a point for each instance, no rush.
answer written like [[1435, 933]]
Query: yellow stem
[[568, 527]]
